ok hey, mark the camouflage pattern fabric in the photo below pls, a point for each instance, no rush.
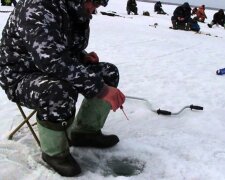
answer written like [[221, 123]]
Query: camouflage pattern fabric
[[41, 53]]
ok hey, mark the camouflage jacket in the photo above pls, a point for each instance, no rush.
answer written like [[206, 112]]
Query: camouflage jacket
[[41, 36]]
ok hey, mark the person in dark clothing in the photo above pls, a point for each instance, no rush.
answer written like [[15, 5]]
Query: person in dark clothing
[[218, 18], [158, 8], [181, 17], [132, 7], [44, 66]]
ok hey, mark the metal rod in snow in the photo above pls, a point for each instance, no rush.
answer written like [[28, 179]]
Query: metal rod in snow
[[164, 112]]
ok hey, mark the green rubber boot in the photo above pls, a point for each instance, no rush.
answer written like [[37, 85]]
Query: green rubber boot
[[55, 148], [86, 129]]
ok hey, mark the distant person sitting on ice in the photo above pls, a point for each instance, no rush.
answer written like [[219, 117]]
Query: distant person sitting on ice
[[218, 18], [132, 7], [200, 14], [8, 2], [158, 8], [181, 17]]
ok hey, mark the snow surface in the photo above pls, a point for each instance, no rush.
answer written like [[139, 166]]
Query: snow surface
[[171, 69]]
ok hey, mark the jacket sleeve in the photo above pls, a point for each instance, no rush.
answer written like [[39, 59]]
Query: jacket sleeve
[[187, 14], [215, 17], [48, 45], [176, 12]]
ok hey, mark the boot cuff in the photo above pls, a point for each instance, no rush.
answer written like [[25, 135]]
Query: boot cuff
[[57, 126]]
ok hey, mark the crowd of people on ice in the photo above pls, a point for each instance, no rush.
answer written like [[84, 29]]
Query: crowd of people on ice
[[184, 17]]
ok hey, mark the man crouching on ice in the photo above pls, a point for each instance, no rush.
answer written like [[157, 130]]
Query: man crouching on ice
[[43, 66]]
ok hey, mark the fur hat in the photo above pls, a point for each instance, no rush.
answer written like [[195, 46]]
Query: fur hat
[[186, 5], [221, 11]]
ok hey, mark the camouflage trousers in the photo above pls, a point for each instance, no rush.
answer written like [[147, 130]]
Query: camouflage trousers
[[54, 99]]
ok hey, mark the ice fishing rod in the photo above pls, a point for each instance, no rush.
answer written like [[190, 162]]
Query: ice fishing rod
[[113, 14], [164, 112]]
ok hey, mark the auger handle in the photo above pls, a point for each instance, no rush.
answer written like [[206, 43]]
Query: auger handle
[[196, 107], [163, 112]]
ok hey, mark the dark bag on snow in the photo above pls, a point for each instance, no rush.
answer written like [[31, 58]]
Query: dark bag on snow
[[146, 13]]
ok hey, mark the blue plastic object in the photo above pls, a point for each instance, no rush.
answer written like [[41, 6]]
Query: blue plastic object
[[220, 71]]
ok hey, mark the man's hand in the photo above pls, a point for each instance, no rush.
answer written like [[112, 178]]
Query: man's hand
[[91, 58], [113, 96]]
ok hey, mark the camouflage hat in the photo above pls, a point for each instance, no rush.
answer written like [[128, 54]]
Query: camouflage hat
[[101, 2]]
